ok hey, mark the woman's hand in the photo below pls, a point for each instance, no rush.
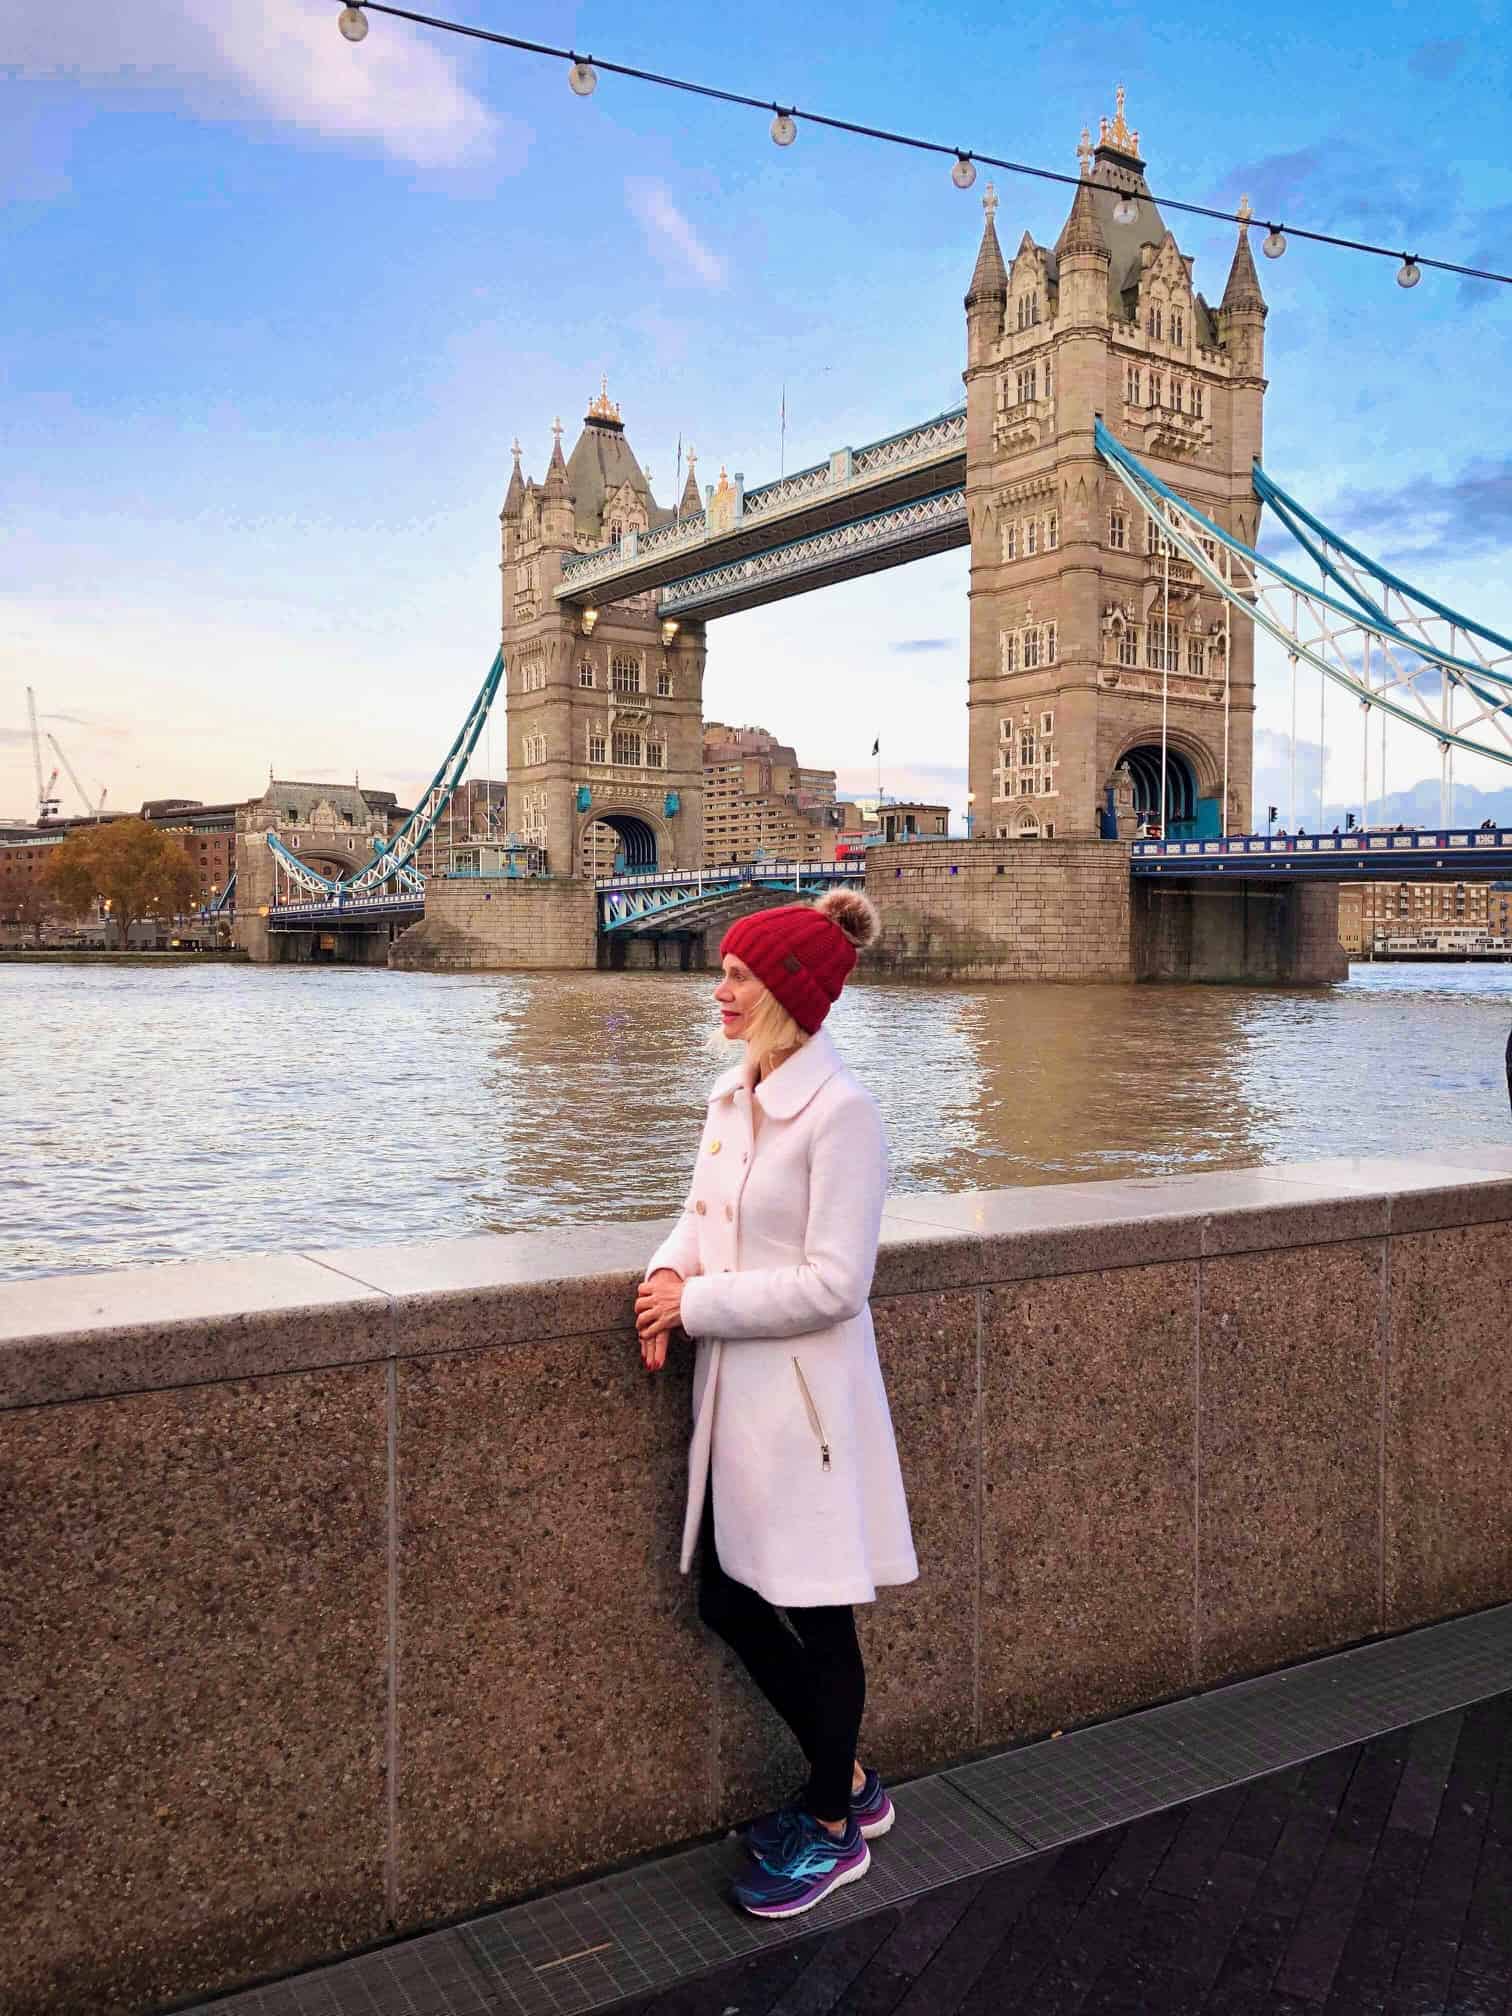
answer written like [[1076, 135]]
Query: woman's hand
[[658, 1311]]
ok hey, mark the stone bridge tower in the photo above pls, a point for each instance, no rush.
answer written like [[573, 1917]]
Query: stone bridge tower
[[605, 707], [1078, 621]]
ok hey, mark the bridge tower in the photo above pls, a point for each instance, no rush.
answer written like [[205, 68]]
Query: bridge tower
[[605, 706], [1080, 626]]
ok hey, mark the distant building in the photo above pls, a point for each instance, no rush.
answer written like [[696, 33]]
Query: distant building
[[907, 820], [1368, 910], [760, 800]]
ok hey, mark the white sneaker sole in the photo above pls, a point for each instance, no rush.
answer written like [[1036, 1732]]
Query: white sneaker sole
[[797, 1910], [873, 1830]]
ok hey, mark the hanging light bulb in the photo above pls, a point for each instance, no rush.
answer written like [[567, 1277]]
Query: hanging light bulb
[[964, 172], [582, 77], [784, 129], [1126, 210], [1274, 243], [353, 23], [1409, 272]]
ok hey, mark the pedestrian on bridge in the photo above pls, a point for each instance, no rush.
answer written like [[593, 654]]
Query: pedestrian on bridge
[[795, 1496]]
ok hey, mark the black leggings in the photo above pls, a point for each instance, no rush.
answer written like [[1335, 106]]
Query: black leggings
[[812, 1673]]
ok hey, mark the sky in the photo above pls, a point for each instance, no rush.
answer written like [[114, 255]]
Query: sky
[[276, 307]]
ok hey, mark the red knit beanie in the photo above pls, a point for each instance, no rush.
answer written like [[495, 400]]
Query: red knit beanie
[[803, 952]]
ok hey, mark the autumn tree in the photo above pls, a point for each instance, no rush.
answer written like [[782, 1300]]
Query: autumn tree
[[138, 871], [29, 908]]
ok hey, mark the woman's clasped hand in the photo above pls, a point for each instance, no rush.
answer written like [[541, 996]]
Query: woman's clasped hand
[[658, 1311]]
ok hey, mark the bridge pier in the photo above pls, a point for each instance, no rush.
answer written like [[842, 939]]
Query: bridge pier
[[502, 925], [1264, 933]]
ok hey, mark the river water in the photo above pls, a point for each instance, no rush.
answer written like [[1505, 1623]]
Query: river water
[[166, 1112]]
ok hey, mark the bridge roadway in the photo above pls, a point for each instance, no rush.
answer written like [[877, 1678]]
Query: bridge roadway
[[865, 508], [1418, 854]]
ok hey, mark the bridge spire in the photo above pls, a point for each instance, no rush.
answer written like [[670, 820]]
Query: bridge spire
[[1243, 289], [691, 503], [514, 496], [989, 279]]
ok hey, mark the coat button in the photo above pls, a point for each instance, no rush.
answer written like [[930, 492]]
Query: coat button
[[744, 1156], [714, 1147], [700, 1207], [730, 1213]]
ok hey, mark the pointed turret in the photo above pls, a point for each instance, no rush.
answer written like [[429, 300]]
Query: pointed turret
[[514, 496], [557, 526], [691, 503], [1243, 289], [1081, 234], [989, 279]]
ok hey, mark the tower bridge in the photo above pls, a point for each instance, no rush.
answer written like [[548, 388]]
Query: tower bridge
[[1104, 473]]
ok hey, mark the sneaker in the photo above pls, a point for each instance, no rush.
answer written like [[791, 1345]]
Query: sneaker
[[870, 1808], [806, 1865]]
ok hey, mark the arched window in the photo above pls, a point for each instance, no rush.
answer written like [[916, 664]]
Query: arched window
[[1155, 323], [625, 673]]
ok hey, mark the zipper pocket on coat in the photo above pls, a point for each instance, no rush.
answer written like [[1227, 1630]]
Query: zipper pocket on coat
[[813, 1413]]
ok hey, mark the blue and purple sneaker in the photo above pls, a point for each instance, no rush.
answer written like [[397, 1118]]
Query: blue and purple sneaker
[[870, 1808], [802, 1867]]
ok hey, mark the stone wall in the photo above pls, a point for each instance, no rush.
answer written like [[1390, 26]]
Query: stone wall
[[1002, 909], [340, 1590], [502, 926], [1262, 933]]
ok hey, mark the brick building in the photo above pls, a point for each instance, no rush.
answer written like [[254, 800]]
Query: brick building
[[758, 798], [1371, 910], [207, 834]]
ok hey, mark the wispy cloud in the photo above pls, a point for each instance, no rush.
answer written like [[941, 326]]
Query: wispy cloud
[[282, 59], [670, 237], [1468, 513], [911, 646]]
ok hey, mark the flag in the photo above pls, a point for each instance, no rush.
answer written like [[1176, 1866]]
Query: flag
[[877, 746]]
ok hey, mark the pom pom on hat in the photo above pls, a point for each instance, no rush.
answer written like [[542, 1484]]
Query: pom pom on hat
[[804, 952]]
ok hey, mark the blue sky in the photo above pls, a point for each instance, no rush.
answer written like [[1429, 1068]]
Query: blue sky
[[276, 307]]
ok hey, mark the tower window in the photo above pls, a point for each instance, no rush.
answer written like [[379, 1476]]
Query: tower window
[[627, 747], [1178, 326], [1155, 389], [1052, 531], [1027, 379], [1031, 537], [656, 755], [663, 683], [625, 674], [1132, 376], [585, 672], [1049, 376], [1031, 648], [1050, 638], [1196, 657], [1010, 540], [596, 750], [1128, 646], [1155, 323], [1118, 531], [1197, 402], [1009, 650]]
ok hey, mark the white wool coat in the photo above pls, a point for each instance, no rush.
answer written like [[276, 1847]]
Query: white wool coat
[[776, 1247]]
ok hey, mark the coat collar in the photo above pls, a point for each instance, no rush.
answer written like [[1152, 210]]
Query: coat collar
[[793, 1084]]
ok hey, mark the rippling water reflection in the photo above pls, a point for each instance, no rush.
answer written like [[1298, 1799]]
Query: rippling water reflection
[[155, 1113]]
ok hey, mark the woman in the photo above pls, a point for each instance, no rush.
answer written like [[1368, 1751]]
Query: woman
[[793, 1480]]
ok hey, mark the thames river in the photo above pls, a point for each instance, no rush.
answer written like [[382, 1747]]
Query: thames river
[[168, 1112]]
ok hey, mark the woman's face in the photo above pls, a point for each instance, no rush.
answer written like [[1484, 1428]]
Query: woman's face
[[739, 994]]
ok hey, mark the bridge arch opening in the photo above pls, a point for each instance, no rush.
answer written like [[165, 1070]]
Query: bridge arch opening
[[1188, 814], [616, 843]]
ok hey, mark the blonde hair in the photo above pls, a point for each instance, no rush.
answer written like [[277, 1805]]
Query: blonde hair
[[771, 1029]]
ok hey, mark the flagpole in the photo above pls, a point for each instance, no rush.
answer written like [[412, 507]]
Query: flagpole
[[782, 434], [677, 497]]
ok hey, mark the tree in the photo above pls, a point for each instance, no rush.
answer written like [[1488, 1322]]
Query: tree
[[130, 866], [30, 906]]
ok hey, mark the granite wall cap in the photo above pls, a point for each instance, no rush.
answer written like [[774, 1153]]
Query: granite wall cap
[[80, 1336]]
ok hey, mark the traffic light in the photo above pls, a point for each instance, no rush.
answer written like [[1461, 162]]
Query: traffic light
[[1349, 822], [1270, 815]]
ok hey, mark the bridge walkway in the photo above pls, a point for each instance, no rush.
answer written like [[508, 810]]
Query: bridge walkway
[[1325, 1840]]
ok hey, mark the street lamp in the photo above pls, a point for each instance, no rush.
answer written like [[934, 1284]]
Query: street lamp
[[970, 815]]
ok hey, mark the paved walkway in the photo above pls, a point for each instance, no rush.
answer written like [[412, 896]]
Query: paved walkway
[[1331, 1840], [1376, 1878]]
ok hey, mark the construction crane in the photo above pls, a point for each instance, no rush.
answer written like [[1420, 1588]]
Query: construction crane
[[93, 810], [47, 805]]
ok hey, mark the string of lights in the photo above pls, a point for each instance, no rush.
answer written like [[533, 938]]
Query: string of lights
[[582, 79]]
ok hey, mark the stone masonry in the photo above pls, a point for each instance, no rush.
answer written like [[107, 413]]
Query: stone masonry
[[502, 926], [1078, 620], [605, 707], [1002, 910]]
